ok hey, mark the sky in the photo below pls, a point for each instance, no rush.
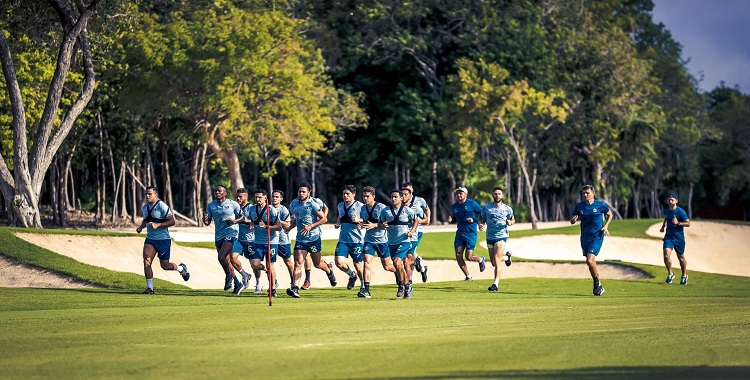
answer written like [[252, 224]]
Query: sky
[[715, 37]]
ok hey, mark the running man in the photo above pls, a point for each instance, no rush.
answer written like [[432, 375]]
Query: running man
[[157, 218], [308, 216], [675, 221], [420, 208], [376, 240], [397, 220], [245, 236], [590, 212], [497, 216], [351, 238], [265, 222], [414, 239], [224, 212], [466, 214], [285, 247], [308, 259]]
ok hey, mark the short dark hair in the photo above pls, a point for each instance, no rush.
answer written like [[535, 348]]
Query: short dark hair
[[406, 184], [152, 188], [261, 191], [397, 191], [498, 188], [218, 186], [351, 189], [242, 190], [280, 192], [407, 189], [368, 189], [305, 184], [588, 187]]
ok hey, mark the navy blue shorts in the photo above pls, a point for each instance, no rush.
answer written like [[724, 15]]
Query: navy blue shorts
[[312, 247], [285, 251], [247, 249], [399, 250], [379, 249], [163, 247], [231, 239], [591, 246], [468, 241], [261, 250], [677, 244], [353, 249], [491, 242]]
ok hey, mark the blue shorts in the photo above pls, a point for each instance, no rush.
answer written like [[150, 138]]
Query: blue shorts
[[468, 241], [312, 247], [399, 250], [285, 251], [412, 247], [592, 246], [677, 244], [247, 249], [379, 249], [260, 251], [491, 242], [163, 247], [346, 249], [230, 239]]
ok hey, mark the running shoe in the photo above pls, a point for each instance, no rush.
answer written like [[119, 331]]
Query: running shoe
[[361, 293], [492, 288], [275, 284], [482, 264], [258, 289], [598, 290], [292, 292], [238, 289], [468, 279], [407, 293], [669, 278], [331, 276], [273, 293], [184, 272], [246, 279], [148, 291], [400, 292], [367, 294], [683, 280], [352, 281], [418, 264], [306, 285], [509, 261], [228, 283], [424, 273]]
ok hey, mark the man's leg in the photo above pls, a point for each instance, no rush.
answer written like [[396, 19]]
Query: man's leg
[[668, 264], [591, 262], [237, 265], [320, 264], [224, 253], [461, 262], [149, 252]]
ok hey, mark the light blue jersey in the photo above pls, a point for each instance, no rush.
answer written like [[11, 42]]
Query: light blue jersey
[[399, 223], [220, 212], [421, 203], [372, 215], [284, 216], [349, 233], [306, 213], [418, 214], [264, 214], [497, 218], [246, 230], [153, 213]]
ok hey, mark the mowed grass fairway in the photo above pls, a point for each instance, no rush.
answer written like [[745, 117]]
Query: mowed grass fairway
[[532, 328]]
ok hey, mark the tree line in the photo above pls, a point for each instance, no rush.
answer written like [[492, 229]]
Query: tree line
[[100, 99]]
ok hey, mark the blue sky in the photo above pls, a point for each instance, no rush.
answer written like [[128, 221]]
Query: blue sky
[[715, 37]]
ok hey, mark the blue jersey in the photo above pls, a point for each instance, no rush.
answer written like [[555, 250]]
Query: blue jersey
[[349, 217], [497, 218], [372, 215], [265, 214], [220, 213], [675, 232], [306, 213], [590, 216], [461, 212], [151, 213], [418, 203], [283, 213], [246, 234], [399, 223], [418, 214]]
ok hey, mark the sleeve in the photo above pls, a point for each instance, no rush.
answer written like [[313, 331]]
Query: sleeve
[[666, 214], [575, 210], [284, 214], [477, 208], [683, 215], [511, 215], [166, 211], [410, 213], [605, 208], [237, 210], [382, 216], [316, 206]]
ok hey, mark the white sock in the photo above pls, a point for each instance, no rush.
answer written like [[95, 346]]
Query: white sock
[[150, 283], [257, 281], [497, 281], [505, 257]]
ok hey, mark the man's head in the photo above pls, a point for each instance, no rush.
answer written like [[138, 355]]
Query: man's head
[[497, 194], [241, 196], [587, 192], [277, 197], [220, 193], [261, 197], [349, 192], [303, 192], [672, 199], [461, 194], [368, 195], [152, 194], [406, 192], [396, 197]]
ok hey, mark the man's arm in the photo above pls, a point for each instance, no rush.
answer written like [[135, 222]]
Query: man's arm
[[609, 216]]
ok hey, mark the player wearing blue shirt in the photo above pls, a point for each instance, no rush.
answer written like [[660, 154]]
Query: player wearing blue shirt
[[419, 206], [466, 214], [265, 221], [497, 216], [351, 238], [593, 229], [308, 216], [400, 224], [284, 247], [225, 213], [245, 237], [157, 218], [376, 241], [675, 221]]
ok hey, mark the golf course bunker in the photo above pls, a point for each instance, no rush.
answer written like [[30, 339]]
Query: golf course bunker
[[14, 275]]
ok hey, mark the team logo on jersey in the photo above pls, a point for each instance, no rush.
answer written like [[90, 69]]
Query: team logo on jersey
[[594, 210]]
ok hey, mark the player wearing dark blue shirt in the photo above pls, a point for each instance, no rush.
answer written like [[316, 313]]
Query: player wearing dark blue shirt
[[466, 214], [225, 213], [590, 212], [675, 221]]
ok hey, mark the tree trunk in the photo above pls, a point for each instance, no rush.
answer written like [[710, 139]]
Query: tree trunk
[[123, 197], [53, 192], [434, 200], [115, 183], [312, 174], [133, 194], [690, 200], [165, 174], [62, 194]]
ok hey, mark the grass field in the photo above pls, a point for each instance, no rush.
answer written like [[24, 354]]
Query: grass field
[[532, 328]]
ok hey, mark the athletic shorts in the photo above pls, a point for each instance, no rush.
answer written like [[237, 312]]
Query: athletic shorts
[[492, 242], [260, 251], [163, 247], [285, 250], [230, 239], [399, 250], [353, 249], [677, 244], [468, 241], [592, 246], [312, 247], [247, 249], [379, 249]]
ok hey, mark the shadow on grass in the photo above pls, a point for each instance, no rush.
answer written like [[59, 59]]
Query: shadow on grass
[[641, 373]]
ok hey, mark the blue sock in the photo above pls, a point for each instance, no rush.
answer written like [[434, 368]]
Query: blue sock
[[237, 282]]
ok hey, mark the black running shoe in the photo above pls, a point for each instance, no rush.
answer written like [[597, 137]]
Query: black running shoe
[[424, 274], [148, 291], [238, 289], [599, 290], [332, 277], [292, 292], [492, 288], [228, 283], [509, 261], [482, 264], [352, 281], [184, 272]]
